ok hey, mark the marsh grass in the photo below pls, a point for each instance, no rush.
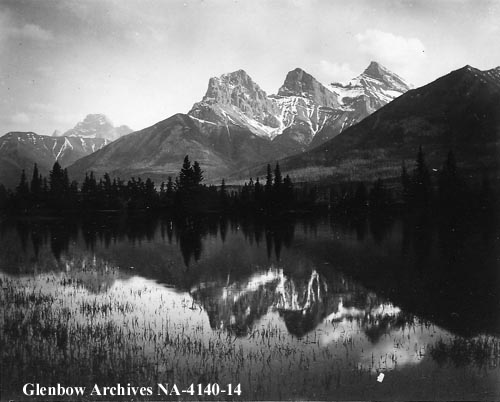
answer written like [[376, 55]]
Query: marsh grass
[[482, 351], [57, 330]]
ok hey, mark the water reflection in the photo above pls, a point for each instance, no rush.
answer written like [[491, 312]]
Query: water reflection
[[302, 303], [365, 295], [422, 266]]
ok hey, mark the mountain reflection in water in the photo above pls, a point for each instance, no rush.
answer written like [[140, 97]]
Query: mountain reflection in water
[[302, 303], [315, 292]]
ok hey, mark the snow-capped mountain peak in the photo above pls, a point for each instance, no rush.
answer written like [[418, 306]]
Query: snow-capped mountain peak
[[97, 126], [383, 74], [234, 98], [377, 86], [302, 107]]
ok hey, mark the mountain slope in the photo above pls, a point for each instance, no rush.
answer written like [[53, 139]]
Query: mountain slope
[[157, 151], [20, 150], [237, 125], [96, 126], [460, 111]]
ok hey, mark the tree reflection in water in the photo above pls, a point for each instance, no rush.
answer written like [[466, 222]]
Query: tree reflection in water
[[306, 270]]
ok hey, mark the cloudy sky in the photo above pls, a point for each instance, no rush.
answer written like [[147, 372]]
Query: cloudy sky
[[140, 61]]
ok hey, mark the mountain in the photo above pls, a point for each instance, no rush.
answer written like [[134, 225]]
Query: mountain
[[96, 126], [294, 117], [20, 150], [237, 125], [360, 97], [305, 107], [157, 151], [459, 112], [236, 98]]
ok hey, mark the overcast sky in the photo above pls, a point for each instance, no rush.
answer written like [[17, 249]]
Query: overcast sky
[[140, 61]]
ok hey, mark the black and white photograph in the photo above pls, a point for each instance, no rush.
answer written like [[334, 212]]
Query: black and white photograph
[[264, 200]]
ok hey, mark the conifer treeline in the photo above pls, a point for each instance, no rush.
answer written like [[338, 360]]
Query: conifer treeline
[[417, 191], [187, 193]]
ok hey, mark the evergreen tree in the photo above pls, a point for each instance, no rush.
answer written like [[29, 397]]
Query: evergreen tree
[[36, 182], [288, 191], [163, 195], [150, 195], [186, 175], [450, 186], [73, 194], [406, 184], [251, 187], [360, 196], [245, 196], [45, 187], [22, 189], [89, 191], [277, 177], [258, 194], [189, 189], [107, 185], [65, 181], [223, 195], [379, 196], [269, 180], [197, 174], [57, 180], [169, 191], [421, 193]]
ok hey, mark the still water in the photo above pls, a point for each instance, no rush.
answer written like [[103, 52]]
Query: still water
[[301, 309]]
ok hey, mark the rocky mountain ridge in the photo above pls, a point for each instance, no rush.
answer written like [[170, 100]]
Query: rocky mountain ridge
[[458, 112], [21, 150], [301, 108]]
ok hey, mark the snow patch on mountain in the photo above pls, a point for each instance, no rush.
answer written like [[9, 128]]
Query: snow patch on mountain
[[301, 108]]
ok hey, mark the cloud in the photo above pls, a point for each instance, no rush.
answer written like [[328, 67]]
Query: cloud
[[4, 28], [32, 31], [403, 54], [20, 118], [10, 29], [389, 48], [338, 72]]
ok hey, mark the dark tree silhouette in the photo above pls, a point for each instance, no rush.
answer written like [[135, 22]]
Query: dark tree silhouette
[[380, 197], [186, 179], [197, 174], [451, 186], [36, 183], [421, 193], [277, 177], [223, 195], [405, 184], [189, 189], [22, 192], [22, 188], [360, 200], [269, 180]]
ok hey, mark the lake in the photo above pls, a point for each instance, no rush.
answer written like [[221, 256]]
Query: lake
[[299, 308]]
